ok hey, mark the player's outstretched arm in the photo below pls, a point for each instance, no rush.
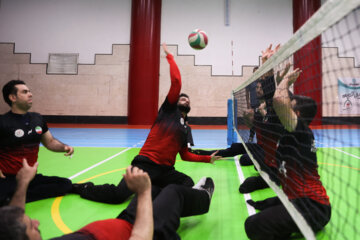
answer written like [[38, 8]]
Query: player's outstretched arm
[[214, 157], [23, 178], [175, 76], [186, 155], [282, 102], [166, 50], [248, 116], [267, 53], [55, 145], [138, 181]]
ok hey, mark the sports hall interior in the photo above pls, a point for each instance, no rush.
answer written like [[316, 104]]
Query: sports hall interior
[[89, 108]]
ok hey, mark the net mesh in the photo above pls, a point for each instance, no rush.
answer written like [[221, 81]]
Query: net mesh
[[327, 51]]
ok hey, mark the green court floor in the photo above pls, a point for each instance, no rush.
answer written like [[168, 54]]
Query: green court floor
[[228, 210]]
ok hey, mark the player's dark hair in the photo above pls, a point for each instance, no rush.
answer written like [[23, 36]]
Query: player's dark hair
[[12, 226], [10, 88], [306, 106], [183, 95]]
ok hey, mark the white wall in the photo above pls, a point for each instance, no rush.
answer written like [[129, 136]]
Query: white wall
[[88, 27], [345, 35], [253, 25]]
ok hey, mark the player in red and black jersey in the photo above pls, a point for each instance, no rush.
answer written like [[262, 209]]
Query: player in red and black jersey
[[297, 161], [21, 132], [268, 128], [167, 138], [154, 213]]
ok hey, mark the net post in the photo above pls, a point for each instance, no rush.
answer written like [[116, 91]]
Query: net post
[[231, 135]]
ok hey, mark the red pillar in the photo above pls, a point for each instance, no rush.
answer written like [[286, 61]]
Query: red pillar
[[308, 58], [144, 64]]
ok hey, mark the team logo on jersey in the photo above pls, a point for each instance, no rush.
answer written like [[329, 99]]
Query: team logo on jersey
[[38, 130], [19, 133], [182, 121], [313, 147], [282, 169]]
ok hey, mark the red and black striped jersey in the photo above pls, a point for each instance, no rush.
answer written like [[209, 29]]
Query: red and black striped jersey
[[109, 229], [297, 158], [168, 135], [20, 136], [271, 130]]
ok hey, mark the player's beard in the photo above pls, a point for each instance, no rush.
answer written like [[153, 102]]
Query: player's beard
[[185, 109]]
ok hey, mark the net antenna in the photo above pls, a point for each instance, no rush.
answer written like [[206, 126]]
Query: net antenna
[[330, 13]]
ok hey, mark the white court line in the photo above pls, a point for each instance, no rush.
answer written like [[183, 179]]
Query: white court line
[[347, 153], [352, 155], [251, 209], [97, 164], [103, 161]]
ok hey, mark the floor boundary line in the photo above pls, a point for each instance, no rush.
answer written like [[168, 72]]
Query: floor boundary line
[[327, 146], [99, 163], [251, 209]]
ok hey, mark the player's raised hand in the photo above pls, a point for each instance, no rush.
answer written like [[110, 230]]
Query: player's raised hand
[[26, 173], [291, 77], [280, 76], [166, 50], [277, 48], [265, 55], [262, 109], [137, 180]]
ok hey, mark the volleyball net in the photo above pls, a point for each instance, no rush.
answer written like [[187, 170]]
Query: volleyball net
[[327, 51]]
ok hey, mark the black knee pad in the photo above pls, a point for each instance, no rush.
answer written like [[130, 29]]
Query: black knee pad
[[188, 182], [245, 160], [252, 183]]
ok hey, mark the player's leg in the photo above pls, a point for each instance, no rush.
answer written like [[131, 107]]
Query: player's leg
[[245, 160], [171, 203], [106, 193], [264, 204], [315, 213], [233, 150], [201, 151], [177, 201], [42, 187], [251, 135], [110, 193], [252, 183], [7, 189], [129, 213], [171, 176], [272, 223]]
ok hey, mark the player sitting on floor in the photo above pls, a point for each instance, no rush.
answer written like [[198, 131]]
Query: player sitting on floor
[[297, 161], [167, 138], [143, 219], [21, 132]]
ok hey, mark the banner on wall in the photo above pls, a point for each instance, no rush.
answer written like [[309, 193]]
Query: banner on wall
[[349, 96]]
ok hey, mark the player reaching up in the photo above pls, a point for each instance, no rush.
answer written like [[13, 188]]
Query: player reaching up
[[167, 138]]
